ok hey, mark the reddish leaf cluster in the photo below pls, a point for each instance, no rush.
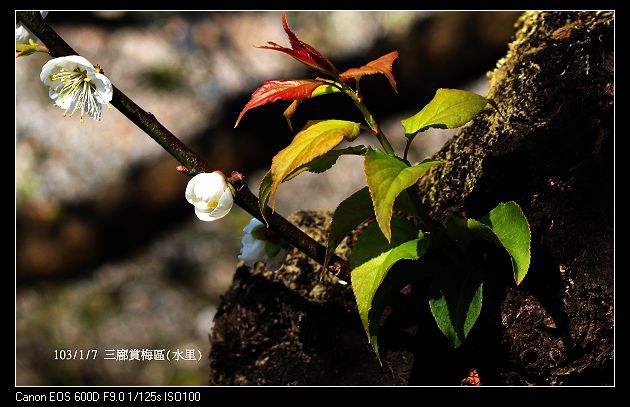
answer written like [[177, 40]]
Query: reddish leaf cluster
[[381, 65], [300, 89], [303, 52], [270, 91]]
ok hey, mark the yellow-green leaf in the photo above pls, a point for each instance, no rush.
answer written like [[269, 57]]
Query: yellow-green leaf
[[325, 90], [449, 108], [315, 139], [368, 275], [386, 177], [505, 226], [510, 226]]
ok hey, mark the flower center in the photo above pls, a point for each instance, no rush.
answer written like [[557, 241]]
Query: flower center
[[78, 91], [212, 204]]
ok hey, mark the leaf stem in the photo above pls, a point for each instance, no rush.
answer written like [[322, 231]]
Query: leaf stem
[[192, 162], [408, 144], [369, 119]]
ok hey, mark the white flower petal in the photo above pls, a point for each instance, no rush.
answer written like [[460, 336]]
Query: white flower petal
[[204, 214], [252, 251], [104, 90], [21, 34], [68, 63], [225, 204]]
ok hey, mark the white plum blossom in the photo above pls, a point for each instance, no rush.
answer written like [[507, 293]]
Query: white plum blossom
[[74, 84], [257, 247], [22, 34], [210, 195]]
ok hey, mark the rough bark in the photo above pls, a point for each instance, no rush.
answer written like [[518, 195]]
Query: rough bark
[[552, 153]]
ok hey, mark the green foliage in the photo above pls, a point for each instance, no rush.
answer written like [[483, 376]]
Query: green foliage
[[505, 226], [326, 161], [349, 214], [455, 301], [374, 258], [449, 108], [315, 139], [387, 177], [29, 49], [393, 251]]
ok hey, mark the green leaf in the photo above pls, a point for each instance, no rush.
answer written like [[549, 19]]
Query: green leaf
[[318, 165], [30, 48], [326, 161], [325, 90], [505, 226], [371, 241], [387, 177], [271, 249], [510, 226], [263, 194], [315, 139], [350, 213], [367, 277], [455, 301], [449, 108], [353, 211]]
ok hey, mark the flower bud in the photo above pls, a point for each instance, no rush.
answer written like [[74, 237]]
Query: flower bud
[[210, 195]]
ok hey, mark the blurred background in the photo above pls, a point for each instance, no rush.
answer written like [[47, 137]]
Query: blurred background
[[109, 255]]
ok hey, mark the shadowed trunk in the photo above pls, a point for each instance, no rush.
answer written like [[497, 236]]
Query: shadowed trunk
[[552, 153]]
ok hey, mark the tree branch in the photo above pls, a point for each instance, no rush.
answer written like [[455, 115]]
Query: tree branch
[[194, 164]]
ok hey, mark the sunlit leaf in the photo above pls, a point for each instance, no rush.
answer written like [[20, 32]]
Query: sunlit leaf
[[315, 140], [353, 211], [510, 225], [272, 91], [318, 165], [505, 226], [387, 177], [28, 49], [449, 108], [325, 89], [326, 161], [381, 65]]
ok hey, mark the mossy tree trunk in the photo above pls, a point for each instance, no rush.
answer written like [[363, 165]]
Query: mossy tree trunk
[[551, 151]]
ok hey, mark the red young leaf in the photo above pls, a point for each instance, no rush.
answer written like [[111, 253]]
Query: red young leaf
[[271, 91], [302, 51], [381, 65]]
